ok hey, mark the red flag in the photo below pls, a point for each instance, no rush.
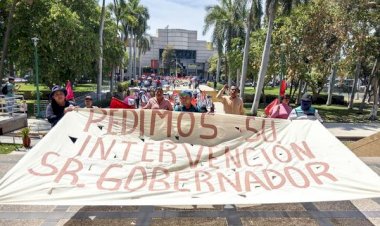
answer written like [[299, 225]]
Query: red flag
[[70, 92], [271, 105], [116, 103], [282, 88]]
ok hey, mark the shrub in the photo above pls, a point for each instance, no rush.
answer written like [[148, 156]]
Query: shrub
[[105, 103], [123, 86]]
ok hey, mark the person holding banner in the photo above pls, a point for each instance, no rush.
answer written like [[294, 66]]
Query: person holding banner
[[88, 103], [232, 104], [159, 102], [186, 106], [58, 106], [281, 110], [305, 111]]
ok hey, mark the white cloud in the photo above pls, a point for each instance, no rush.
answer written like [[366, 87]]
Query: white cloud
[[183, 14]]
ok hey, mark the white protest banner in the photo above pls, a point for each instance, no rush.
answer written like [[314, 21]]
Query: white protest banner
[[144, 157]]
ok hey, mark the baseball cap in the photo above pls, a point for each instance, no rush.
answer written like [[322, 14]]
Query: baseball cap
[[307, 97], [186, 93]]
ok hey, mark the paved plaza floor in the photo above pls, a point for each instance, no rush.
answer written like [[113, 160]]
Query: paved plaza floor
[[352, 213]]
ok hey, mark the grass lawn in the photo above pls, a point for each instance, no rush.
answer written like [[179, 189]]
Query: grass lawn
[[30, 87], [268, 90], [333, 113], [78, 88], [8, 148], [339, 113]]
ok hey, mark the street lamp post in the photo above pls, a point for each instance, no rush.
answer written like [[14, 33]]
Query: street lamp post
[[35, 42]]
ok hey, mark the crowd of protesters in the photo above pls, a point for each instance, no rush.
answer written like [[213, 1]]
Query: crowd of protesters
[[154, 93]]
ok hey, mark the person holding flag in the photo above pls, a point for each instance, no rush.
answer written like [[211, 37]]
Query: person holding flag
[[70, 92]]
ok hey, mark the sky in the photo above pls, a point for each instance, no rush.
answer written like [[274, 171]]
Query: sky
[[182, 14]]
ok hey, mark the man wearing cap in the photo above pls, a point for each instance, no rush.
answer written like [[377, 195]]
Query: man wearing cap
[[185, 99], [58, 106], [88, 102], [305, 111], [232, 104], [159, 102]]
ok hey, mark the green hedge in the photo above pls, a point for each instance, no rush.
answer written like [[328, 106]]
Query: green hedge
[[123, 86], [321, 99], [44, 95]]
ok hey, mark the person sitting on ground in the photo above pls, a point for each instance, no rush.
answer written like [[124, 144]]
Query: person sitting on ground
[[232, 104], [305, 111], [159, 102], [88, 103], [185, 99], [281, 110], [58, 106]]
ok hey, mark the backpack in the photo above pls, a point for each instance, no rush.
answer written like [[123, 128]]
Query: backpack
[[4, 90]]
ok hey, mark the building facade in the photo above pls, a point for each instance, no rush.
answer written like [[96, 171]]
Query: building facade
[[190, 54]]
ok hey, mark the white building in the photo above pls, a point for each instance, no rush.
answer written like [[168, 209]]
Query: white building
[[192, 55]]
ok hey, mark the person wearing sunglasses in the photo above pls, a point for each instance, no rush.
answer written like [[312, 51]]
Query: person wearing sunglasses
[[305, 111]]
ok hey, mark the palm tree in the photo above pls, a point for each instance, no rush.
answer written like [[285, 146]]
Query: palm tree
[[270, 9], [100, 64], [227, 19], [143, 44], [135, 17], [254, 14]]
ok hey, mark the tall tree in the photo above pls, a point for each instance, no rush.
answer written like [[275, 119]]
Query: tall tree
[[100, 62], [228, 20], [6, 37], [135, 17], [144, 43], [255, 10], [270, 8], [265, 57]]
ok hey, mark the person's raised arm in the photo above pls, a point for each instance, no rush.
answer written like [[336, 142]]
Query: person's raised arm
[[220, 93]]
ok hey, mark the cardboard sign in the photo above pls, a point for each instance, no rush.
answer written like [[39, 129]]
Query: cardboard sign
[[145, 157]]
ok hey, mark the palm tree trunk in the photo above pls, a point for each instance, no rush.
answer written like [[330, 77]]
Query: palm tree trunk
[[332, 80], [246, 50], [264, 60], [375, 106], [134, 56], [374, 69], [237, 78], [357, 73], [298, 101], [140, 68], [218, 68], [100, 73], [112, 79], [6, 37], [122, 60], [130, 56]]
